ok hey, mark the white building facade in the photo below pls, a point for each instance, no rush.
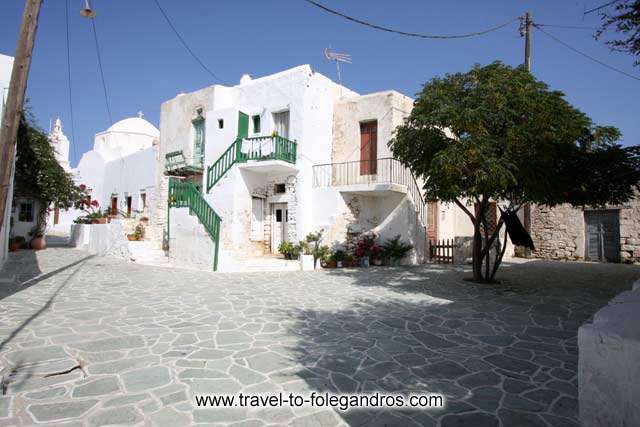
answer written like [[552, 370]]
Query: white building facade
[[276, 158], [119, 172], [6, 65]]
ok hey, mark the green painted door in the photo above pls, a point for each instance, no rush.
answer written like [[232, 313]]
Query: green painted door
[[243, 125]]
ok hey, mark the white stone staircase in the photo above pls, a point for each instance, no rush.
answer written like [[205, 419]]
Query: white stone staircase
[[148, 252]]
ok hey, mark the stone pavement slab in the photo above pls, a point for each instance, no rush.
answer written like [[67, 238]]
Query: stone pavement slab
[[97, 341]]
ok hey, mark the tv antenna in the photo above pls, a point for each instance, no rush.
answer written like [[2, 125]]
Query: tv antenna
[[338, 57]]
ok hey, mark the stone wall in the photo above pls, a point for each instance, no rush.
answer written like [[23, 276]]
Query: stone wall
[[559, 232], [608, 368]]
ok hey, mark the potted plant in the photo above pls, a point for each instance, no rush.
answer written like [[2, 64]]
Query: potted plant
[[394, 250], [365, 249], [313, 247], [138, 234], [16, 243], [339, 256], [286, 249]]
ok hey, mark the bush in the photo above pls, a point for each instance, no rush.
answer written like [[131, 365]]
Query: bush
[[287, 249], [395, 250]]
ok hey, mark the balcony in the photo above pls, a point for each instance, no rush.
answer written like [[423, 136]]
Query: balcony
[[177, 164], [373, 178], [267, 154]]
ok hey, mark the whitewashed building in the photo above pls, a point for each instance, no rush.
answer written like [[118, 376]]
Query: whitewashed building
[[119, 172], [6, 65], [247, 167]]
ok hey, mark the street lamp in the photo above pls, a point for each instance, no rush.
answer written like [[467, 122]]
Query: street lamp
[[87, 12]]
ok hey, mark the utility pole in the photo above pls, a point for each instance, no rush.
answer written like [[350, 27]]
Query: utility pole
[[528, 26], [15, 100]]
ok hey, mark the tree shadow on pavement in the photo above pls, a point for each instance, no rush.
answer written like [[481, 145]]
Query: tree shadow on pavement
[[503, 353]]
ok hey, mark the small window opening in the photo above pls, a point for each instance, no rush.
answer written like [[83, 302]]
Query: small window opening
[[220, 123], [256, 123], [280, 188]]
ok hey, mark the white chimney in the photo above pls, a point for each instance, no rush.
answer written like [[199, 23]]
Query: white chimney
[[246, 78]]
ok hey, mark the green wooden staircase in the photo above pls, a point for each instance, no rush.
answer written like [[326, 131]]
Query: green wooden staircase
[[184, 194]]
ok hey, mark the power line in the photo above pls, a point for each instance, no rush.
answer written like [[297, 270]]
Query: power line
[[586, 55], [405, 33], [570, 27], [73, 131], [104, 85], [595, 9], [186, 46]]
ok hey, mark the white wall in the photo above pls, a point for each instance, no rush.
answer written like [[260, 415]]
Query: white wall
[[6, 65]]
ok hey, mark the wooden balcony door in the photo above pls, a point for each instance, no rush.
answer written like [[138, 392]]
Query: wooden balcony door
[[368, 148]]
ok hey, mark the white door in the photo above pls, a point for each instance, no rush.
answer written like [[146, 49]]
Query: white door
[[278, 225], [281, 123], [257, 214]]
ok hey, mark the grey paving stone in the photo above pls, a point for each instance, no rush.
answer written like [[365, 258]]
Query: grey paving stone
[[110, 344], [5, 406], [126, 415], [47, 393], [565, 407], [60, 410], [37, 355], [486, 398], [146, 378], [479, 379], [511, 401], [246, 376], [476, 419], [432, 341], [177, 397], [125, 400], [108, 385], [117, 366], [169, 417], [517, 418], [511, 364]]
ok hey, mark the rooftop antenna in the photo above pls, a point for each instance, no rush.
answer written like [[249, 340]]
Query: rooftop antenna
[[338, 57]]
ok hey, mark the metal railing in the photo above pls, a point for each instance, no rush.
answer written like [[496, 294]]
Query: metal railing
[[176, 161], [184, 194], [256, 148], [379, 171]]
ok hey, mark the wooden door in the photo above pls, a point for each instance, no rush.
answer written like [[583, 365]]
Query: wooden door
[[432, 221], [243, 125], [128, 205], [114, 206], [602, 235], [368, 148], [278, 225]]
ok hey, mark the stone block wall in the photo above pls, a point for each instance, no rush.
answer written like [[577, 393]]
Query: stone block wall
[[559, 232]]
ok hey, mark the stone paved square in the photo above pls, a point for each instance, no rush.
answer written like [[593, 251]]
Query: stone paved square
[[97, 341]]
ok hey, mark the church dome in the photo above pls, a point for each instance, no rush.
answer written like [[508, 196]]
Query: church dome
[[136, 125]]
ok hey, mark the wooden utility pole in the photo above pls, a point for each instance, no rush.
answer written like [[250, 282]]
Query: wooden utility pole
[[15, 100], [528, 26]]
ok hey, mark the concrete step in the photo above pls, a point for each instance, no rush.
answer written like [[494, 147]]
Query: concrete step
[[266, 263], [148, 252]]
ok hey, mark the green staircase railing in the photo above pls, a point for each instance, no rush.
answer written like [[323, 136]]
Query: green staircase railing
[[184, 194], [243, 150]]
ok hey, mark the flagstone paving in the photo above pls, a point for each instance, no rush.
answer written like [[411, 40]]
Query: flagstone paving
[[96, 341]]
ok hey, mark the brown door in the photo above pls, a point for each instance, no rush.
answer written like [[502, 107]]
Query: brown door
[[368, 148], [56, 216], [432, 221], [128, 205], [114, 206]]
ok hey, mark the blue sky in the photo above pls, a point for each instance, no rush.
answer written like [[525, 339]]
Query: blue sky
[[145, 64]]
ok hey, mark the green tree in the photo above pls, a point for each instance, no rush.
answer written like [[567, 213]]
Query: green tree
[[38, 174], [497, 134], [623, 17]]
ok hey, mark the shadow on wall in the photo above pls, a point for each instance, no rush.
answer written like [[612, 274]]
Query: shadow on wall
[[470, 342]]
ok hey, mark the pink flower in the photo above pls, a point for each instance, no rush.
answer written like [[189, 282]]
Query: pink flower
[[95, 203], [82, 187]]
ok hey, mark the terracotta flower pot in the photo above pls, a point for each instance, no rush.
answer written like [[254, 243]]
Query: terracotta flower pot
[[99, 221], [132, 238], [38, 243], [14, 247]]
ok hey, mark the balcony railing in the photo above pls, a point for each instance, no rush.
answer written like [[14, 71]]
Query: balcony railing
[[267, 148], [176, 163], [365, 172]]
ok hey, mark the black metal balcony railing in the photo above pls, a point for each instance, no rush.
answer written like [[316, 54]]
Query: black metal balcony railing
[[379, 171]]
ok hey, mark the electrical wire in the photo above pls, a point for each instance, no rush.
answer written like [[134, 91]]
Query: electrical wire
[[104, 85], [570, 27], [595, 9], [73, 131], [186, 46], [409, 34], [586, 55]]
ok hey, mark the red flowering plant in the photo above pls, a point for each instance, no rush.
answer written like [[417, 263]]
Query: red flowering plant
[[90, 207], [367, 246]]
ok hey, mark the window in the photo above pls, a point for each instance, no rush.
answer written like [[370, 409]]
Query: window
[[280, 188], [256, 123], [281, 123], [26, 212], [220, 123], [143, 200]]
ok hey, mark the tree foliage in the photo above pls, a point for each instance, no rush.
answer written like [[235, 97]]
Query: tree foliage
[[38, 174], [622, 17], [496, 133]]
